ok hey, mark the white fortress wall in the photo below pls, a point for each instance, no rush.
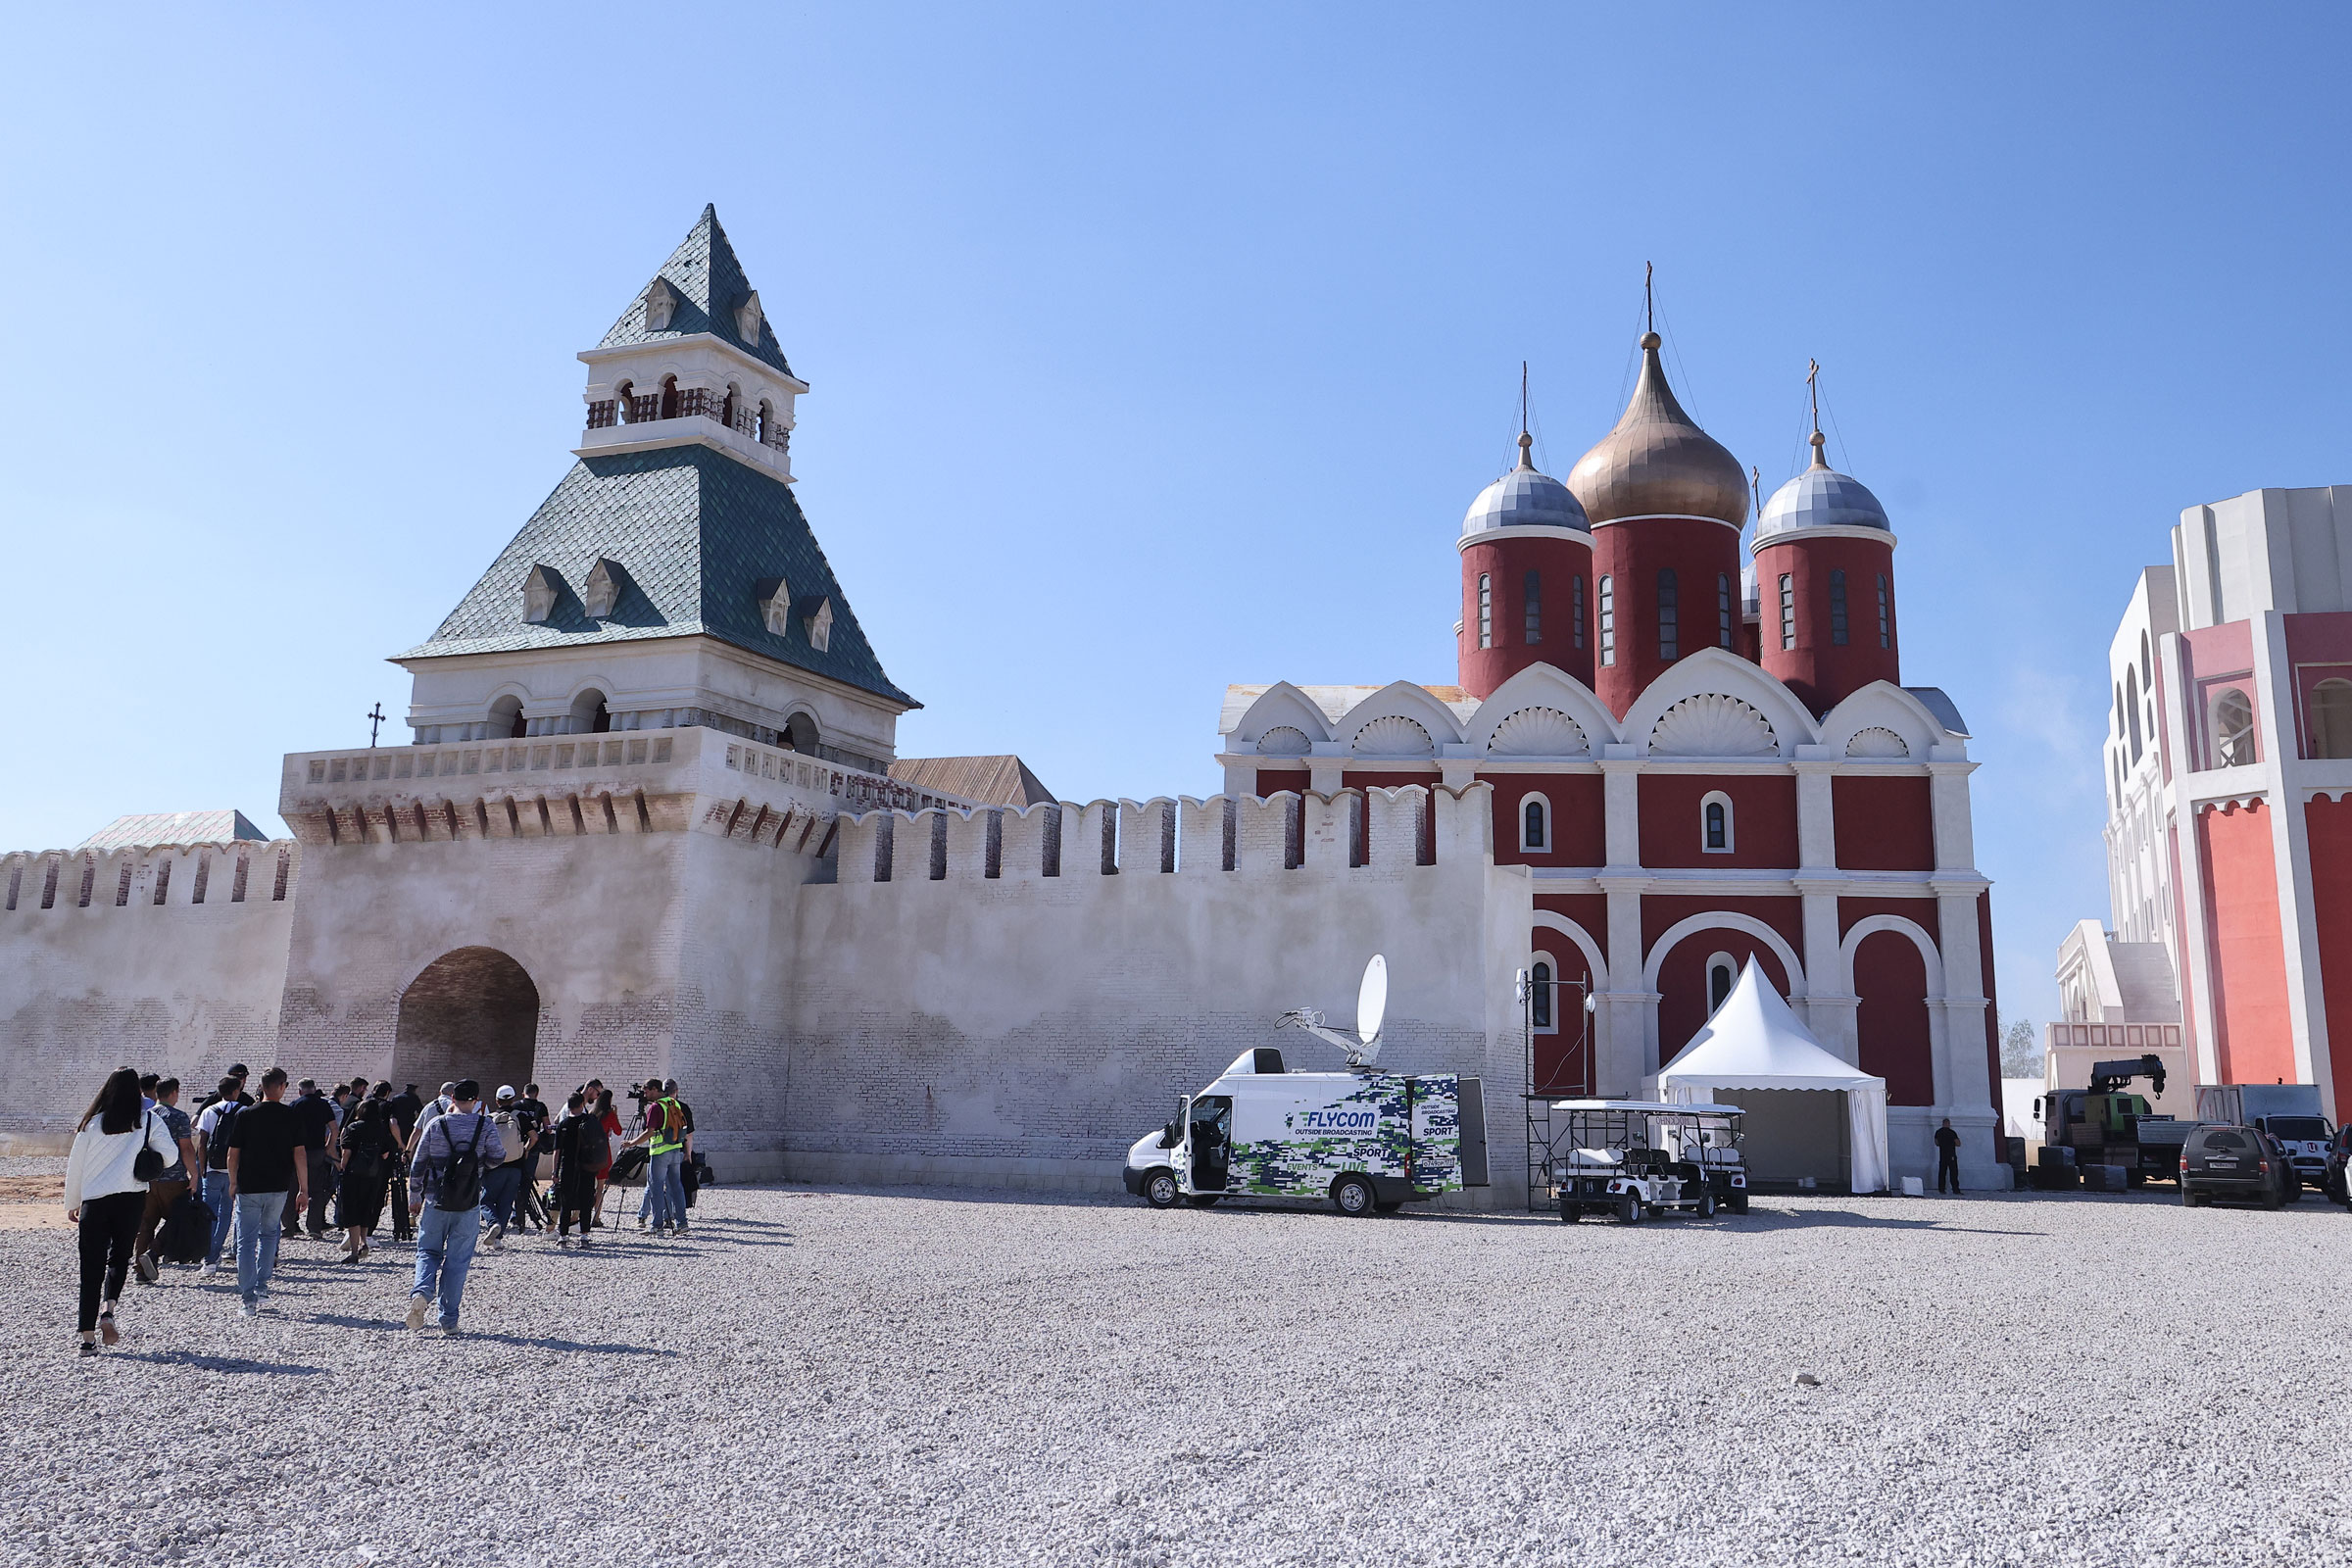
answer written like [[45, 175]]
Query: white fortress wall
[[1028, 1026], [169, 958]]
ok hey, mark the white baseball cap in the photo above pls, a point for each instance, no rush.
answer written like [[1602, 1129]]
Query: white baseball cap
[[506, 1090]]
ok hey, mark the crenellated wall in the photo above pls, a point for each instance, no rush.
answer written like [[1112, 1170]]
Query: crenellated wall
[[170, 957]]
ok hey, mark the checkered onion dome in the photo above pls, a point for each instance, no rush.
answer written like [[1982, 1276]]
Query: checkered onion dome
[[1524, 498], [1821, 498]]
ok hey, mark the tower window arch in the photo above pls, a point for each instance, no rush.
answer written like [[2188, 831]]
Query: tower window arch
[[2332, 718], [506, 719], [730, 407], [1715, 826], [1838, 626], [589, 715], [1885, 613], [1787, 610], [1485, 610], [2148, 667], [1535, 824], [1533, 591], [1576, 612], [1723, 974], [2131, 711], [670, 398], [1543, 1017], [1668, 615], [1726, 612], [625, 402], [1608, 620]]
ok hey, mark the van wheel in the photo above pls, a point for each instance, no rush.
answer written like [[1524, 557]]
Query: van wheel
[[1160, 1190], [1203, 1199], [1629, 1208], [1353, 1194]]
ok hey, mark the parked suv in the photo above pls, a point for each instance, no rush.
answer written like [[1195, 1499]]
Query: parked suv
[[2305, 1139], [2237, 1165], [2340, 1151]]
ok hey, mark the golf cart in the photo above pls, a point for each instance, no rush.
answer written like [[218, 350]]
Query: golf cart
[[1635, 1158]]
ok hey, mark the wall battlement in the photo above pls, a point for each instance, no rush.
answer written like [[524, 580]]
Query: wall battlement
[[1372, 833], [233, 871]]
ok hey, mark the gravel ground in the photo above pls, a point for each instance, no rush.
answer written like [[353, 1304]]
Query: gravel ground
[[910, 1376]]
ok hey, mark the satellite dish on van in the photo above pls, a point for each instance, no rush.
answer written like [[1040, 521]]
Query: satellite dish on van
[[1371, 1012], [1372, 1000]]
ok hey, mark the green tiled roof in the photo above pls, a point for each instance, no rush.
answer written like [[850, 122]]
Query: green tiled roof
[[695, 534], [711, 285]]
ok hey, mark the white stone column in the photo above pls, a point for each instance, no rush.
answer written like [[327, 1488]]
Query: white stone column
[[1625, 1030]]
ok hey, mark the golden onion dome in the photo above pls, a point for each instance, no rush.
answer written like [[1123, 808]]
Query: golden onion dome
[[1658, 462]]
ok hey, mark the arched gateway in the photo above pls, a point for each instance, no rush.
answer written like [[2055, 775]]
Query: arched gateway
[[472, 1014]]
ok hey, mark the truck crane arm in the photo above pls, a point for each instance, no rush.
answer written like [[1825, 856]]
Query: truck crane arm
[[2108, 1076]]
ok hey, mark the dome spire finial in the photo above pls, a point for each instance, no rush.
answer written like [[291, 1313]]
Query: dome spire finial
[[1813, 394]]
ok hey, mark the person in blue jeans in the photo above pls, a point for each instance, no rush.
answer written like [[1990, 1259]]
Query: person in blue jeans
[[448, 1201], [664, 1137], [263, 1168], [211, 1151]]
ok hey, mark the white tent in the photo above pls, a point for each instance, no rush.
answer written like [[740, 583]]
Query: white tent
[[1755, 1041]]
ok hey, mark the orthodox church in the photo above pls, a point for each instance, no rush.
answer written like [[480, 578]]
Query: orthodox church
[[652, 818]]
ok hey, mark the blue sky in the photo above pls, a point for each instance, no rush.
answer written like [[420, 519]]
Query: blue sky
[[1153, 348]]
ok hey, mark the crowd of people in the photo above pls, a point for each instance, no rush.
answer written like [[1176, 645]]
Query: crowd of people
[[149, 1182]]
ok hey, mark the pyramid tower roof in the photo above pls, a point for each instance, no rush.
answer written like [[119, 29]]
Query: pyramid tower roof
[[709, 284]]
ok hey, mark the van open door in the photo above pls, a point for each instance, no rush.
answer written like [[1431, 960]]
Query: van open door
[[1473, 1123]]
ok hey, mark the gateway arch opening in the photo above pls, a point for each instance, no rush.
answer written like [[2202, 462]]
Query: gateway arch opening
[[472, 1014]]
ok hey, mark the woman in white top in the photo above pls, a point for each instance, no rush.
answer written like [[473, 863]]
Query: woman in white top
[[107, 1197]]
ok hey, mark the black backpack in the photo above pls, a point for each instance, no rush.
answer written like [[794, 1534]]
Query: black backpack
[[363, 1151], [187, 1234], [462, 1177], [215, 1151]]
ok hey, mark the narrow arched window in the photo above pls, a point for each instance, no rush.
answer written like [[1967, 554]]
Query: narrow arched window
[[1485, 610], [1608, 620], [1576, 612], [624, 402], [1532, 589], [2234, 729], [669, 397], [1885, 613], [1721, 977], [1539, 995], [1715, 824], [2147, 665], [1787, 610], [506, 719], [729, 405], [1669, 616], [2331, 720], [2131, 711], [1838, 607], [1726, 612], [1535, 824]]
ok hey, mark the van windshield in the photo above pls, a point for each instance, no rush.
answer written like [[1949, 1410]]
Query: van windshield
[[2312, 1127]]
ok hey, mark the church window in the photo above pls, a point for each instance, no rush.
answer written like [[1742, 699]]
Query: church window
[[1576, 612], [769, 433], [2332, 718], [1886, 615], [1787, 610], [730, 406], [775, 605], [1535, 824], [1838, 607], [589, 715], [625, 402], [1534, 608], [1715, 824], [1485, 610], [1722, 975], [1608, 620], [1724, 622], [1539, 995], [2148, 667], [539, 591], [1668, 615]]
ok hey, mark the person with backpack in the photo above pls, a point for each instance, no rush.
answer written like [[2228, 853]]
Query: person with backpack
[[119, 1148], [504, 1182], [369, 1155], [212, 1153], [406, 1109], [664, 1137], [583, 1154], [171, 1186], [453, 1153]]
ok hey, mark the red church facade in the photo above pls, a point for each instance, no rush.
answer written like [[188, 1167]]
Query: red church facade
[[1701, 755]]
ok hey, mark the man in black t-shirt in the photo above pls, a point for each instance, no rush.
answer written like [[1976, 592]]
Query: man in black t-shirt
[[314, 1114], [406, 1109], [265, 1162], [1948, 1156]]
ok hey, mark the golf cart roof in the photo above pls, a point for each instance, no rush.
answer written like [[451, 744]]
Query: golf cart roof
[[1651, 1107]]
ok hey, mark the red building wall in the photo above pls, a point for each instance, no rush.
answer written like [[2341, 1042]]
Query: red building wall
[[2254, 1040], [1274, 780], [1565, 568], [1578, 818], [1885, 824], [1763, 819], [1817, 670], [1892, 1025], [2330, 826]]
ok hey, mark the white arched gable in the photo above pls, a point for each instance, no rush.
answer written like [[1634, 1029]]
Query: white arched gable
[[1541, 686], [1725, 920], [1902, 927], [1881, 704], [599, 683], [1401, 698], [1279, 704], [1713, 670], [1545, 920]]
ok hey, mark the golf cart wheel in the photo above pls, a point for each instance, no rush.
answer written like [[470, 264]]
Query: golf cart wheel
[[1569, 1213], [1706, 1206], [1739, 1202], [1629, 1208], [1203, 1199], [1353, 1195], [1160, 1190]]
